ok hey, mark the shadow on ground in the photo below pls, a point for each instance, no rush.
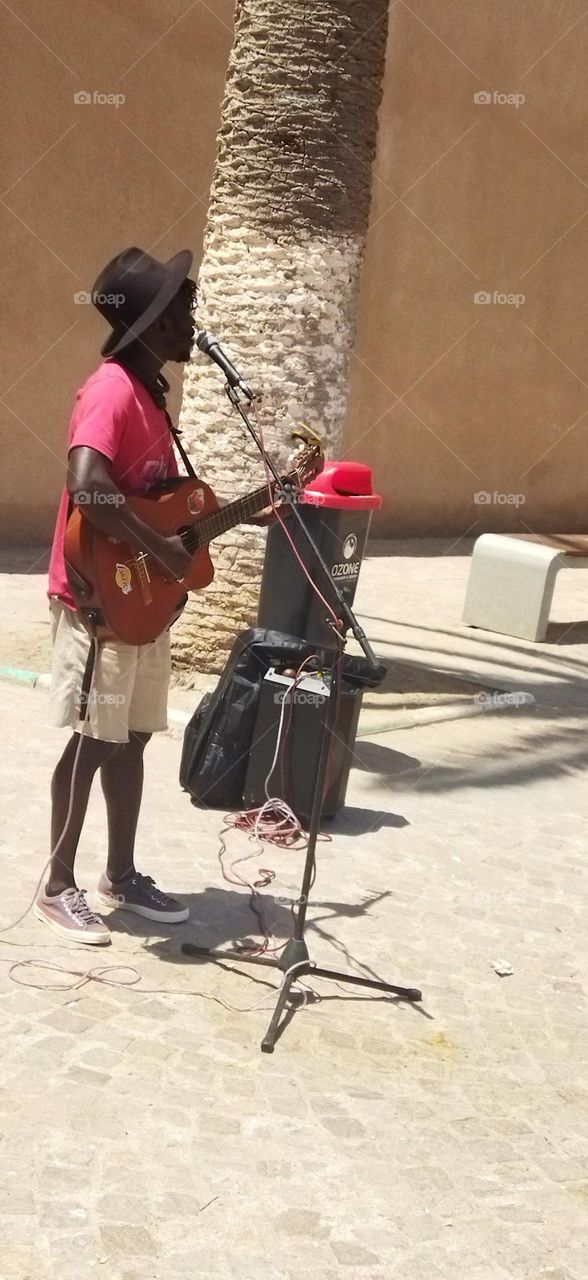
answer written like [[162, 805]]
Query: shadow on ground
[[221, 919], [571, 632], [371, 757], [33, 560]]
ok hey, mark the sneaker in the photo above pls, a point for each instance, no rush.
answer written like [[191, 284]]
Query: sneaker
[[140, 894], [70, 916]]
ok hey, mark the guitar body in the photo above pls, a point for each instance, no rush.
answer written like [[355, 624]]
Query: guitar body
[[136, 596]]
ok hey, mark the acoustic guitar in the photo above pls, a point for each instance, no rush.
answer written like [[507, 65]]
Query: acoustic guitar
[[137, 597]]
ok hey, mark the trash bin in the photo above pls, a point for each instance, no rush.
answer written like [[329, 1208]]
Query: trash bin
[[337, 508]]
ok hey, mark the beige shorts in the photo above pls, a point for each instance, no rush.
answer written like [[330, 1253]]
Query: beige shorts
[[130, 685]]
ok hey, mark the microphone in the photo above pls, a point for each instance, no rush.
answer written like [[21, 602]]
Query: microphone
[[210, 346]]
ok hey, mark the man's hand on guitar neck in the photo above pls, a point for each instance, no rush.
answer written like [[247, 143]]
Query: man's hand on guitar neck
[[268, 516], [91, 487], [264, 518]]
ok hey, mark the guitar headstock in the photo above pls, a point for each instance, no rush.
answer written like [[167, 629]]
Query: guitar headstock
[[307, 458]]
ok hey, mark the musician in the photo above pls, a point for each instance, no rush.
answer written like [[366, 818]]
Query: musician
[[119, 446]]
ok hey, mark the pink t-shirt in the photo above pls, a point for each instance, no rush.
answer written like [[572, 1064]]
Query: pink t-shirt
[[115, 414]]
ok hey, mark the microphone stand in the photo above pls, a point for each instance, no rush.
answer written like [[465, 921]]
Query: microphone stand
[[294, 961]]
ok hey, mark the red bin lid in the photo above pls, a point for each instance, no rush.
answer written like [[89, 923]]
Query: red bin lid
[[342, 485]]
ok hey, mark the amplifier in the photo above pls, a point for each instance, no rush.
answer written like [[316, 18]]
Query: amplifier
[[294, 776]]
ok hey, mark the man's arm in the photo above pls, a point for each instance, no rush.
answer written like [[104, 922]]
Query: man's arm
[[91, 487]]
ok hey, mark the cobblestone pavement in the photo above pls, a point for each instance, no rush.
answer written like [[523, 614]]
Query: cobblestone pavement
[[145, 1135]]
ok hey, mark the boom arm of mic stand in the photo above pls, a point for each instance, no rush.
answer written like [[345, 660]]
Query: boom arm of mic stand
[[345, 612]]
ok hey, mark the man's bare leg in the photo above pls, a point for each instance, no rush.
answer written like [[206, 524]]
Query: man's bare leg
[[123, 886], [93, 754], [121, 776]]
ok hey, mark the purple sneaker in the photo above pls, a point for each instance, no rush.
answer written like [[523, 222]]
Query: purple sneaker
[[70, 916], [140, 894]]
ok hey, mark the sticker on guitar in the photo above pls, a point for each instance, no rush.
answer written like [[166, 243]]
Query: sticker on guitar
[[196, 502], [123, 578]]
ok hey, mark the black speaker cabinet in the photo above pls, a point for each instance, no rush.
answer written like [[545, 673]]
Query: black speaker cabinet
[[294, 775]]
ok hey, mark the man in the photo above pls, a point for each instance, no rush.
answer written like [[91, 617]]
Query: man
[[119, 446]]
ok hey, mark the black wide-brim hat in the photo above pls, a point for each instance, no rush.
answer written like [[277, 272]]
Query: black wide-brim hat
[[133, 290]]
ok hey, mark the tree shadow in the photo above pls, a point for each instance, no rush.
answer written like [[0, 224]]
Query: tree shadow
[[552, 752], [493, 639], [353, 820], [371, 757], [576, 667], [557, 754]]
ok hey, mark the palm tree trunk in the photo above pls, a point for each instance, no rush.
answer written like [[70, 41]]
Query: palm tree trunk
[[283, 248]]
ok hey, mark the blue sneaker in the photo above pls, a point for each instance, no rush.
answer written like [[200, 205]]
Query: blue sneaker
[[140, 894]]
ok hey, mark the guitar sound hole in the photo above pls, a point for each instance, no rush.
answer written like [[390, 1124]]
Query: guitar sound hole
[[189, 538]]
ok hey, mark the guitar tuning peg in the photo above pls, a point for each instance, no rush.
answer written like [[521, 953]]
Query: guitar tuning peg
[[305, 436]]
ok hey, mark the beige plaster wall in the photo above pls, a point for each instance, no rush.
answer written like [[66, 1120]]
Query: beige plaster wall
[[450, 398], [80, 182]]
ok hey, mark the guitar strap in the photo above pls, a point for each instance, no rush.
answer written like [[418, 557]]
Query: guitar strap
[[176, 437], [91, 619]]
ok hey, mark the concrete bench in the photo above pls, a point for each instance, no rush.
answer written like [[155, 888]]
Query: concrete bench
[[512, 577]]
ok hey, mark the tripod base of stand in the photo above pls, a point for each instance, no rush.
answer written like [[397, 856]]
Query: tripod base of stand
[[295, 963]]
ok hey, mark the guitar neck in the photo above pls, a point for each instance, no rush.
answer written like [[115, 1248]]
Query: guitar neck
[[237, 512]]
